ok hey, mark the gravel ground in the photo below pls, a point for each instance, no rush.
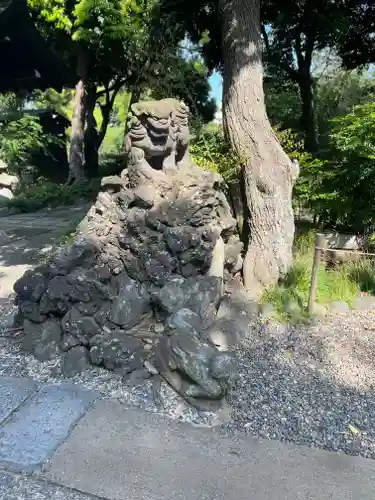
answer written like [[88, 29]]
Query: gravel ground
[[312, 384]]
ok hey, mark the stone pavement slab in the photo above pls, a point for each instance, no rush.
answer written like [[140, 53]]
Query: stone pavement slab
[[19, 487], [120, 453], [36, 429], [13, 392]]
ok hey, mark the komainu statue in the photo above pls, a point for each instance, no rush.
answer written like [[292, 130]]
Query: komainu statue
[[160, 129], [141, 285]]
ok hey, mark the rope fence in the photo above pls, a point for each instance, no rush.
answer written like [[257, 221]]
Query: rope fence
[[322, 251]]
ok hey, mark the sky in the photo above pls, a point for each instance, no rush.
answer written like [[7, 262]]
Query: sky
[[216, 88], [216, 92]]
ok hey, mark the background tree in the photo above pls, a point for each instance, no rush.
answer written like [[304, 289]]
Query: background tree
[[355, 39], [109, 43], [336, 93], [115, 45], [283, 104], [348, 181], [267, 173], [292, 33], [186, 79]]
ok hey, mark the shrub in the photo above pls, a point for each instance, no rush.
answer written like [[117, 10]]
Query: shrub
[[307, 194], [20, 133], [48, 194], [209, 150], [350, 175]]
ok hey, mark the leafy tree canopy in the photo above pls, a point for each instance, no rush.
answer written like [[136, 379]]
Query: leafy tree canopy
[[355, 40]]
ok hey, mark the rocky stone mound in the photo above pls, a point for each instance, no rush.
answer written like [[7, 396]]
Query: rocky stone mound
[[138, 291]]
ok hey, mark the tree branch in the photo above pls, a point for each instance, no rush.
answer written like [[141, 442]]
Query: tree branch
[[298, 49], [291, 72], [309, 47], [111, 86], [107, 108]]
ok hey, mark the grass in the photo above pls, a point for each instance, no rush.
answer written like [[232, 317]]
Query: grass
[[344, 283]]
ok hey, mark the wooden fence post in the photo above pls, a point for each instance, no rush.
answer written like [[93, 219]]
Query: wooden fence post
[[320, 243]]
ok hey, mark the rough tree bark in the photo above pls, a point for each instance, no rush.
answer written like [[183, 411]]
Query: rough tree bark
[[268, 173], [91, 139], [76, 154]]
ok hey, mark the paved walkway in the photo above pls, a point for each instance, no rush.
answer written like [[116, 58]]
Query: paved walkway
[[26, 239], [62, 442]]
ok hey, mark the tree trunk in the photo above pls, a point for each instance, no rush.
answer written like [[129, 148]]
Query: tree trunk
[[268, 173], [76, 156], [91, 135], [308, 113]]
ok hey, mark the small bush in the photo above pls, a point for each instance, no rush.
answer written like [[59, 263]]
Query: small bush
[[209, 150], [48, 194], [344, 283], [363, 273]]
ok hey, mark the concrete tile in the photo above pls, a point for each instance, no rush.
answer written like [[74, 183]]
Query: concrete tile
[[34, 432], [121, 453], [13, 392]]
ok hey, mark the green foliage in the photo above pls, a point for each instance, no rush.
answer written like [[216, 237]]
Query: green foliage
[[291, 295], [114, 34], [18, 137], [306, 192], [54, 12], [19, 133], [209, 150], [186, 79], [336, 93], [354, 134], [355, 39], [62, 102], [336, 183], [349, 176], [283, 104], [48, 194]]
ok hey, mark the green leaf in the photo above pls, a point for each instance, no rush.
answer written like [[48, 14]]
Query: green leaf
[[353, 429]]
